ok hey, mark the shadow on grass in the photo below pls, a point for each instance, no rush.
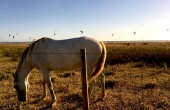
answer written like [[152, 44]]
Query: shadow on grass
[[66, 75], [110, 84], [72, 102], [149, 86], [109, 73]]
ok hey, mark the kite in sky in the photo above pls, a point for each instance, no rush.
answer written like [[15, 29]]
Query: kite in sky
[[167, 29], [55, 32], [81, 32], [9, 35], [134, 33], [112, 35], [13, 37]]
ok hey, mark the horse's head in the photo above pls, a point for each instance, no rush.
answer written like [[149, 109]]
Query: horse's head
[[21, 77], [21, 89]]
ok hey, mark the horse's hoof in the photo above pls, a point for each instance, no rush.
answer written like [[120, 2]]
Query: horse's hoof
[[44, 98], [102, 99], [103, 95], [52, 105], [48, 106]]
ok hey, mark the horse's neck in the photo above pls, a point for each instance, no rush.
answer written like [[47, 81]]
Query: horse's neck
[[24, 72]]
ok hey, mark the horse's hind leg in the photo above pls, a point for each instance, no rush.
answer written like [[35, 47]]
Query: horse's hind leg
[[102, 81], [90, 88], [101, 77], [44, 89], [47, 79], [91, 84]]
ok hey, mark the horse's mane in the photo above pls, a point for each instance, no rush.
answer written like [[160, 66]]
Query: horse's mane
[[35, 42], [24, 54], [27, 51]]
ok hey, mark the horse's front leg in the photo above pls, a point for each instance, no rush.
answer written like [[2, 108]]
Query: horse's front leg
[[47, 79], [44, 89]]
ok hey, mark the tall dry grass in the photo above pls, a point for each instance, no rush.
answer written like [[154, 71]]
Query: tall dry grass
[[149, 54], [13, 51]]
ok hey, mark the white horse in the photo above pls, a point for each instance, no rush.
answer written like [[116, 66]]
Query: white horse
[[48, 55]]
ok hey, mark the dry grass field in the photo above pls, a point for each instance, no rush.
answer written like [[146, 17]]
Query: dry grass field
[[137, 78]]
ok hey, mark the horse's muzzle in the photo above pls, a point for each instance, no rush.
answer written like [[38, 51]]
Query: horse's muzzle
[[21, 98]]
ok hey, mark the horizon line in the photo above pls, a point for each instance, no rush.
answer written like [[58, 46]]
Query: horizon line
[[118, 41]]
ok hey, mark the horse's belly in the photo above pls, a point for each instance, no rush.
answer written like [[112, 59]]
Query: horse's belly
[[58, 63], [65, 66]]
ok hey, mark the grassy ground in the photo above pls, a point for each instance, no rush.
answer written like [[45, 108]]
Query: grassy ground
[[130, 84]]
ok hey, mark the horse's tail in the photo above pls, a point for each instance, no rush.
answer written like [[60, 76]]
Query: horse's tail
[[100, 65]]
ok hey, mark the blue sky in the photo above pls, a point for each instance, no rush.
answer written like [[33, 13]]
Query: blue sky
[[33, 19]]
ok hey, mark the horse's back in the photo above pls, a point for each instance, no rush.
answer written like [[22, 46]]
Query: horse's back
[[76, 43], [64, 54], [49, 45]]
